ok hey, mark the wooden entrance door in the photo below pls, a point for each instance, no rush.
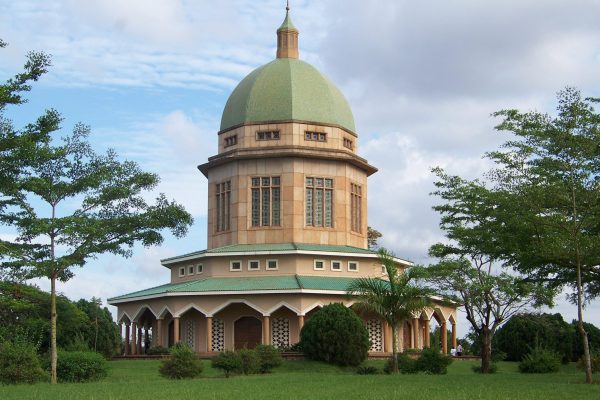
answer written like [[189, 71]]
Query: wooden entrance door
[[247, 333]]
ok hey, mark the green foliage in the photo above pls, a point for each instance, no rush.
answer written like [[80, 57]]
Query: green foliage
[[367, 370], [394, 300], [183, 363], [335, 334], [406, 364], [157, 350], [431, 361], [19, 363], [593, 334], [373, 236], [540, 361], [270, 357], [80, 366], [544, 330], [229, 362], [250, 361], [24, 310], [595, 361]]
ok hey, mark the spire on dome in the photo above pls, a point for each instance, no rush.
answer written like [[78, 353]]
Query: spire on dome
[[287, 37]]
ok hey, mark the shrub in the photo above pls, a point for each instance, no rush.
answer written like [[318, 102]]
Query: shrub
[[595, 359], [157, 350], [80, 366], [431, 361], [270, 357], [406, 364], [183, 364], [335, 334], [493, 368], [367, 370], [540, 361], [250, 361], [228, 361], [19, 363]]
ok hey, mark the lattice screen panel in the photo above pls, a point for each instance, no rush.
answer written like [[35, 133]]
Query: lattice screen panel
[[280, 332], [375, 334], [190, 333], [218, 335]]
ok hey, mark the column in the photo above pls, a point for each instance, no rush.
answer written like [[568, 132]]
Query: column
[[176, 329], [126, 348], [444, 337], [266, 330], [157, 336], [453, 334], [134, 338], [209, 334], [387, 337], [415, 324], [427, 338]]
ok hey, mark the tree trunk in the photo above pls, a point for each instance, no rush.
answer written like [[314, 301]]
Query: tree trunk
[[582, 332], [53, 351], [486, 351], [394, 349]]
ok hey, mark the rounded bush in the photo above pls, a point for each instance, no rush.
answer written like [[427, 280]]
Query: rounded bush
[[493, 368], [183, 364], [335, 334], [433, 362], [367, 370], [540, 361], [270, 357], [227, 361], [250, 361], [80, 366], [19, 363]]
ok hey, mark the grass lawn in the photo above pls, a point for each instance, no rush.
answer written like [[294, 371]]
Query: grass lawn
[[310, 380]]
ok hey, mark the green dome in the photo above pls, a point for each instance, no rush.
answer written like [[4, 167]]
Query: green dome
[[287, 89]]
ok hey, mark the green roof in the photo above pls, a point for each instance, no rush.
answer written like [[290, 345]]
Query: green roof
[[275, 247], [237, 284], [287, 89], [287, 24]]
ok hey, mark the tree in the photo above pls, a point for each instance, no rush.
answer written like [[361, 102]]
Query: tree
[[471, 270], [551, 170], [394, 300], [373, 236], [67, 203]]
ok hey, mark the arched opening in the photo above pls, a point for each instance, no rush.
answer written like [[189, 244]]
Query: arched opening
[[247, 333]]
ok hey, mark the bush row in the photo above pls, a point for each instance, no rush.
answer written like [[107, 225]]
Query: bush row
[[261, 359], [430, 361]]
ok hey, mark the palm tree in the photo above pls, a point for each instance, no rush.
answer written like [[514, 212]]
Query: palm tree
[[394, 300]]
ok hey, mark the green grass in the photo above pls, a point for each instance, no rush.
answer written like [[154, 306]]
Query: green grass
[[311, 380]]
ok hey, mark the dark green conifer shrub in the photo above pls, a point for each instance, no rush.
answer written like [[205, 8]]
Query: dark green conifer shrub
[[335, 334], [183, 364]]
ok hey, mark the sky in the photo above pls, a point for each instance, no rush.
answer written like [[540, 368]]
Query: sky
[[151, 79]]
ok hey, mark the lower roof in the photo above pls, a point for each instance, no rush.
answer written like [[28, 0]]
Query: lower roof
[[258, 284], [277, 248]]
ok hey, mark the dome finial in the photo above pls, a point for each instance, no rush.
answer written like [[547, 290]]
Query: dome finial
[[287, 37]]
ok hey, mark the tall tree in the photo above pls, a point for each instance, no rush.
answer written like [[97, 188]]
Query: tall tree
[[68, 204], [394, 300], [552, 171]]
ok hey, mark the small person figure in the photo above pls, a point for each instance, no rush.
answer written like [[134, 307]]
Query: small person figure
[[459, 350], [452, 352]]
